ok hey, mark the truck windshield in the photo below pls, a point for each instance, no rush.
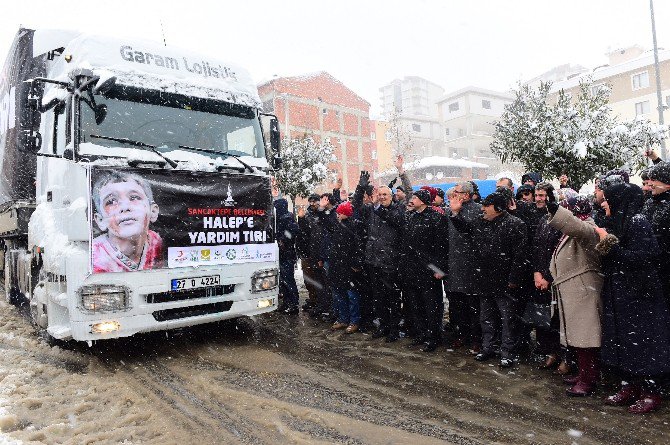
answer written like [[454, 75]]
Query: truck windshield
[[168, 127]]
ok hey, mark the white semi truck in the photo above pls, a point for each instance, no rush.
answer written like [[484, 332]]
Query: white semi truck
[[135, 188]]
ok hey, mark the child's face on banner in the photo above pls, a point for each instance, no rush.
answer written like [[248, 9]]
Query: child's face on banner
[[126, 210]]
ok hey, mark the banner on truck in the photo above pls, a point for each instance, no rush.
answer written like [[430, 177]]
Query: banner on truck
[[151, 219]]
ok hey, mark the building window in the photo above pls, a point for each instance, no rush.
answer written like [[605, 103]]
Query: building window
[[374, 154], [486, 104], [642, 108], [453, 107], [416, 128], [373, 136], [325, 111], [461, 132], [337, 113], [388, 136], [446, 132], [640, 80], [667, 101]]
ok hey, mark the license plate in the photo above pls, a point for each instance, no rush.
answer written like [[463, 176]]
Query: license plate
[[194, 283]]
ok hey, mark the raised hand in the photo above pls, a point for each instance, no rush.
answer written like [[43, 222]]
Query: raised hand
[[399, 161], [364, 180], [301, 212]]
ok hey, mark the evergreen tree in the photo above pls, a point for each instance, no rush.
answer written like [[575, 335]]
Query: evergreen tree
[[578, 136], [304, 166]]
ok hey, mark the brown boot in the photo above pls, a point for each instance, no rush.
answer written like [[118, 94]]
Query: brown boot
[[351, 329], [647, 403], [626, 395], [589, 372], [338, 325]]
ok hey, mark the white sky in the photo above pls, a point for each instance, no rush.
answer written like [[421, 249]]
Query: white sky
[[367, 43]]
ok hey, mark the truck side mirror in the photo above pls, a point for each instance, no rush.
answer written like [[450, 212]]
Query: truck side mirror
[[275, 138], [275, 142], [31, 139]]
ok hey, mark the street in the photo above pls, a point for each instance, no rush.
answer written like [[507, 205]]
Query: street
[[282, 379]]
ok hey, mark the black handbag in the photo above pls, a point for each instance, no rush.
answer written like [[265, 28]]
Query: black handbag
[[538, 310]]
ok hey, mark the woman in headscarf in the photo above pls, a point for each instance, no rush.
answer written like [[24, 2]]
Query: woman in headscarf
[[636, 320], [575, 267]]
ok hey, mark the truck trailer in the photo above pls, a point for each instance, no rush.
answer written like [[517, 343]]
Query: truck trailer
[[135, 192]]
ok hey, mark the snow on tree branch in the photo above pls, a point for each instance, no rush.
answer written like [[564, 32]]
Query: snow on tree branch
[[304, 165], [577, 136]]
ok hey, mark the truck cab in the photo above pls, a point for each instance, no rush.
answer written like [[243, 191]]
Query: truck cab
[[148, 204]]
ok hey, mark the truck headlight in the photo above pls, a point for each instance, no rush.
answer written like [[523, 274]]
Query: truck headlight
[[104, 298], [263, 280]]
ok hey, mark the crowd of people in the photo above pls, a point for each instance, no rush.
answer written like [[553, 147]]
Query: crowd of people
[[588, 274]]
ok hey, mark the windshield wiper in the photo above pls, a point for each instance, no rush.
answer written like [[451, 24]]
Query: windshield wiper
[[140, 144], [205, 150]]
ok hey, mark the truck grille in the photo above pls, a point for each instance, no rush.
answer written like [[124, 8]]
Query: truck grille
[[192, 311], [178, 295]]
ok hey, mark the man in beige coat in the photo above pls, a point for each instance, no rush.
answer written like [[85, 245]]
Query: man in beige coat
[[575, 267]]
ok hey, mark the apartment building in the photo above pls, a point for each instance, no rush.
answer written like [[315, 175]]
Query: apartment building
[[632, 76], [322, 107], [466, 117]]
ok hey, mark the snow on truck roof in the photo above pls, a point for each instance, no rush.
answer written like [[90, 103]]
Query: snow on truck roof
[[147, 64]]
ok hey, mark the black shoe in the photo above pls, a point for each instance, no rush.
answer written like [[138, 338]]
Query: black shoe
[[429, 347], [484, 356], [418, 341], [307, 306], [290, 310], [506, 363], [379, 333], [391, 338]]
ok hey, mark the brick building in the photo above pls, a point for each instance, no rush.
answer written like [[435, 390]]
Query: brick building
[[321, 106]]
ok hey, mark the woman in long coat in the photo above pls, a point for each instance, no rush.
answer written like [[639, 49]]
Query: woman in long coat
[[636, 320], [575, 266]]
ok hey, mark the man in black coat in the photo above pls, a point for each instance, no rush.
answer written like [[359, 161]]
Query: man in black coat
[[327, 220], [384, 219], [462, 284], [287, 231], [425, 246], [657, 211], [502, 241], [309, 249]]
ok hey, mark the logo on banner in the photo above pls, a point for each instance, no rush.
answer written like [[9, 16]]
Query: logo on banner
[[229, 202], [231, 254], [205, 254], [181, 257]]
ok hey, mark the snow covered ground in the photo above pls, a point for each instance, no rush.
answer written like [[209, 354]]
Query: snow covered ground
[[284, 379]]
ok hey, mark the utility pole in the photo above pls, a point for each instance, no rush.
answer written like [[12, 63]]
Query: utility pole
[[659, 96]]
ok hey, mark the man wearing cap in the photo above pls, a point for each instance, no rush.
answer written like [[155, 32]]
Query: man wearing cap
[[657, 211], [385, 221], [346, 260], [309, 249], [502, 242], [424, 253]]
